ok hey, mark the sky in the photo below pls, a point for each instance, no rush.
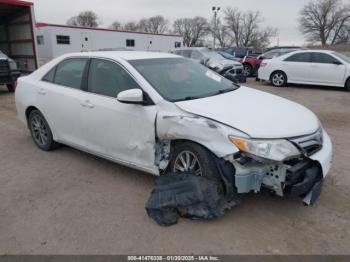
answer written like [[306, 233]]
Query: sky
[[281, 14]]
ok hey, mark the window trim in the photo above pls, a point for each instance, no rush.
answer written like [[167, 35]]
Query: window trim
[[64, 60], [285, 60], [334, 58], [147, 98]]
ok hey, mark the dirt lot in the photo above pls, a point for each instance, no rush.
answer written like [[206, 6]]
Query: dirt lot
[[69, 202]]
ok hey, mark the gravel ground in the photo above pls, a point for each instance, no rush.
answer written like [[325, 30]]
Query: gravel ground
[[69, 202]]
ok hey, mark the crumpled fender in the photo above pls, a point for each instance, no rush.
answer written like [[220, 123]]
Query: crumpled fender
[[206, 132]]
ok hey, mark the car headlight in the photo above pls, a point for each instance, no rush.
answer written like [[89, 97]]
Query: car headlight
[[277, 150]]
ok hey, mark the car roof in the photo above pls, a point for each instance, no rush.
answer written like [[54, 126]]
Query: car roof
[[125, 55]]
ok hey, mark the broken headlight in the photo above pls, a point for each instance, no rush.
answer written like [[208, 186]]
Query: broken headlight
[[277, 150]]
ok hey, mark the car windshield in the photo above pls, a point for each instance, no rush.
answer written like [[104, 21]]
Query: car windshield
[[342, 57], [179, 79]]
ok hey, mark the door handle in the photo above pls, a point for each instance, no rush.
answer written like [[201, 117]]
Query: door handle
[[87, 104], [42, 91]]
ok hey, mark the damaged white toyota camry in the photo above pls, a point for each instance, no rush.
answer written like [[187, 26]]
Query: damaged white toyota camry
[[162, 113]]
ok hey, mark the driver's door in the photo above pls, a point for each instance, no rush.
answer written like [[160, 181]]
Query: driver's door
[[122, 132]]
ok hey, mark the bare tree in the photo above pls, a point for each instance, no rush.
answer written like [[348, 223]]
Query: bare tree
[[233, 18], [116, 26], [324, 20], [131, 26], [245, 28], [192, 29], [86, 18], [156, 24], [220, 32]]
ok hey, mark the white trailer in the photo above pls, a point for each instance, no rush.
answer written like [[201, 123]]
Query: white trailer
[[54, 40], [17, 33]]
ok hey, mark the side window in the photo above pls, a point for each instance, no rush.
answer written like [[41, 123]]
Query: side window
[[108, 79], [300, 57], [70, 72], [322, 58], [50, 75], [196, 55]]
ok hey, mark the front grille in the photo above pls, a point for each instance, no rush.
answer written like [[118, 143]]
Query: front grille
[[309, 144]]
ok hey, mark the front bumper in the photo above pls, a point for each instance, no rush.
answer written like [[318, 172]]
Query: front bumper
[[295, 178]]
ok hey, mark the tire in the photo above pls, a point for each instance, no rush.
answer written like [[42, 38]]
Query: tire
[[206, 160], [10, 88], [247, 70], [40, 131], [347, 85], [278, 79]]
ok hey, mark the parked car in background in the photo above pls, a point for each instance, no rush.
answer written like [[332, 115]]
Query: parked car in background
[[8, 72], [275, 52], [163, 113], [246, 57], [230, 69], [310, 67]]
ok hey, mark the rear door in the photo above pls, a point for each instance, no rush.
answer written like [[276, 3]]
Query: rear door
[[297, 67], [326, 69], [59, 95]]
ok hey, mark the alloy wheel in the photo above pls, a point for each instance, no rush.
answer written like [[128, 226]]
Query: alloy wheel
[[39, 129], [186, 161], [278, 79], [246, 71]]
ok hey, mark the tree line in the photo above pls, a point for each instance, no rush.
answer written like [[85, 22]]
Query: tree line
[[321, 21]]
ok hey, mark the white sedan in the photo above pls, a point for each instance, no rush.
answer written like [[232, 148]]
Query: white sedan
[[163, 113], [310, 67]]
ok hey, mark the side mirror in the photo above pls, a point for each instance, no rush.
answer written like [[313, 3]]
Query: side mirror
[[337, 63], [261, 57], [132, 96]]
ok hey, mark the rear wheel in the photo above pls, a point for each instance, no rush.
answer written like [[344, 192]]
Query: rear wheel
[[278, 79], [11, 88], [190, 157], [40, 131]]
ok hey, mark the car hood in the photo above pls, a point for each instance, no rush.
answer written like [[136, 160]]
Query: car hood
[[256, 113]]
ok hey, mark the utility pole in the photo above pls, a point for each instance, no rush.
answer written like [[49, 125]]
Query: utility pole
[[215, 10]]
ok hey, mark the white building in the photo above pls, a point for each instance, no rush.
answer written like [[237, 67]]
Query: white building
[[54, 40]]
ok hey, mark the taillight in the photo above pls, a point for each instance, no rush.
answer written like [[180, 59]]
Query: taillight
[[263, 64]]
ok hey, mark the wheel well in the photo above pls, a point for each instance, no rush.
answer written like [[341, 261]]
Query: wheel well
[[29, 110], [346, 82], [276, 71], [175, 142]]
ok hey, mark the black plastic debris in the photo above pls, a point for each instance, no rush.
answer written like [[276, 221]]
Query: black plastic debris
[[188, 196]]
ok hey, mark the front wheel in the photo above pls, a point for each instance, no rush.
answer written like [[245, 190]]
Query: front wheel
[[278, 79], [247, 70], [192, 158], [40, 131]]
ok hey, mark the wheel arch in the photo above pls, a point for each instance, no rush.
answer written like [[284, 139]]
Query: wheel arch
[[30, 108], [346, 82]]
